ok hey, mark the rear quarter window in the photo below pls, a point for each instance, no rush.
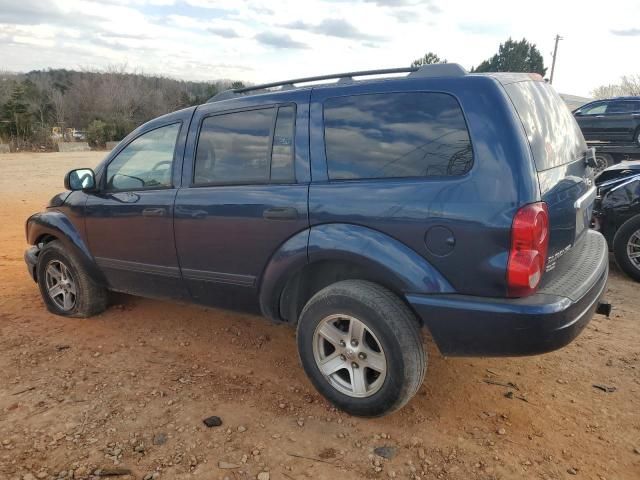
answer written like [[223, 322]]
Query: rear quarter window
[[553, 133], [392, 135]]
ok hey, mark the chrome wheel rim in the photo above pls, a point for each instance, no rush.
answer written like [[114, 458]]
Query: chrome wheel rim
[[633, 249], [61, 286], [601, 164], [349, 355]]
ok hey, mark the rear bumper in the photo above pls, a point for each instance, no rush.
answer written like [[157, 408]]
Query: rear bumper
[[31, 259], [477, 326]]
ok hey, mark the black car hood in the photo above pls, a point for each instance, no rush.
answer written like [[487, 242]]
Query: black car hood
[[620, 171]]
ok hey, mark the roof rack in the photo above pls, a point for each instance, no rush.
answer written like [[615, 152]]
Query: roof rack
[[434, 70]]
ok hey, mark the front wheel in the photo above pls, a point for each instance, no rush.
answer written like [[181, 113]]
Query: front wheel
[[65, 285], [626, 247], [361, 348]]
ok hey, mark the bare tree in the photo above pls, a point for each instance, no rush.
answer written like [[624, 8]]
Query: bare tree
[[628, 86]]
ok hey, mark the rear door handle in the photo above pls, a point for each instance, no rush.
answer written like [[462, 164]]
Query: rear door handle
[[280, 213]]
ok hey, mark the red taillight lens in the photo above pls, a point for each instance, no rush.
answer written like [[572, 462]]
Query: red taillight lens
[[528, 254]]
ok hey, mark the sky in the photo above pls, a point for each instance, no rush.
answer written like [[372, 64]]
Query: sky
[[263, 41]]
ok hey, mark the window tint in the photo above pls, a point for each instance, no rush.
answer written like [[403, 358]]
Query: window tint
[[597, 109], [282, 150], [146, 162], [234, 147], [621, 106], [395, 135]]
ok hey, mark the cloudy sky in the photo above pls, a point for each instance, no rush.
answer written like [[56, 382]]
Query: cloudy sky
[[263, 41]]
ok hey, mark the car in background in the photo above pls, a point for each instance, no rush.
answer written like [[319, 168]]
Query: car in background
[[617, 214], [612, 126], [611, 120]]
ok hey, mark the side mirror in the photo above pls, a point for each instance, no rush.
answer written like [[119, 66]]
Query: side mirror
[[80, 179]]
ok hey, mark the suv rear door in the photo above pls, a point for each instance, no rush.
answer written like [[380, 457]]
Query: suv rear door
[[246, 183], [620, 122], [591, 119]]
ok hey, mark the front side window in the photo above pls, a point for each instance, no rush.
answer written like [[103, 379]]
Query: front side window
[[396, 135], [146, 162], [596, 109]]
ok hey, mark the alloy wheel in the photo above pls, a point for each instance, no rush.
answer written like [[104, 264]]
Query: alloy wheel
[[633, 249], [61, 286], [349, 355]]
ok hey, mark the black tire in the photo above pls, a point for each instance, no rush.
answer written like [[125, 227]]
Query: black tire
[[620, 242], [603, 160], [395, 328], [89, 299], [636, 137]]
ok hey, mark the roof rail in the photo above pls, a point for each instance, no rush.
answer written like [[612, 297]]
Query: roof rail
[[433, 70]]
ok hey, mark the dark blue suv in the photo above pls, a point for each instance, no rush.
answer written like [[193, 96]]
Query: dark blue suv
[[359, 211]]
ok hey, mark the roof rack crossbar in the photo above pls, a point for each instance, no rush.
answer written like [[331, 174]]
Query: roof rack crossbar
[[327, 77], [435, 70]]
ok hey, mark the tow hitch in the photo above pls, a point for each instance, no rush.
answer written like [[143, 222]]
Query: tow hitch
[[604, 308]]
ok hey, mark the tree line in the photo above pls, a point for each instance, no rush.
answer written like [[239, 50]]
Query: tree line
[[106, 105]]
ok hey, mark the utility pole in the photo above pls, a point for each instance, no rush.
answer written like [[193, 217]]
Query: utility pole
[[555, 52]]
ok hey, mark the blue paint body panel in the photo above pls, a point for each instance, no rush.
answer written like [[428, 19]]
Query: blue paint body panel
[[439, 242]]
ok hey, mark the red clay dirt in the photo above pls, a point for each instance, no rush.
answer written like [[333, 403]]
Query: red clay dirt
[[129, 389]]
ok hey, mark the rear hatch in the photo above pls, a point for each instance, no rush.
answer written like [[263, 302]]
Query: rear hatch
[[559, 152]]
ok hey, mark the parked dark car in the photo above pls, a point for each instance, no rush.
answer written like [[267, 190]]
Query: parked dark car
[[617, 214], [611, 120], [359, 211]]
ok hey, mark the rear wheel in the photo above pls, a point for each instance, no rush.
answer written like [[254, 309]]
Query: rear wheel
[[361, 347], [65, 285], [626, 247]]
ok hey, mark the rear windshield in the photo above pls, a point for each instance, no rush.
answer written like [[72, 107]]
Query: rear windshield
[[553, 133]]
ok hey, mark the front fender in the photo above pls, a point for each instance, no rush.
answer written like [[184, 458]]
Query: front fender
[[56, 224]]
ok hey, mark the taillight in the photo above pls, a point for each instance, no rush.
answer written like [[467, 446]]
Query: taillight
[[529, 244]]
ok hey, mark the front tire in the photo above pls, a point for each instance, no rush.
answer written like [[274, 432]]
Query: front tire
[[626, 247], [361, 347], [65, 285]]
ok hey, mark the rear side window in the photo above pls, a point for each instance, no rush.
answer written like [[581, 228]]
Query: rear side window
[[253, 146], [395, 135], [622, 106]]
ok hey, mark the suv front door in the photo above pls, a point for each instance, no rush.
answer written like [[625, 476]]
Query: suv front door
[[247, 174], [592, 120], [129, 219]]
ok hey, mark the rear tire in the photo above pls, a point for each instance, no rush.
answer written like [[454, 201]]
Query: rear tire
[[65, 285], [375, 361], [626, 244]]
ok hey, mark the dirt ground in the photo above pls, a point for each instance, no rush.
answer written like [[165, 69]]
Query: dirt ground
[[129, 389]]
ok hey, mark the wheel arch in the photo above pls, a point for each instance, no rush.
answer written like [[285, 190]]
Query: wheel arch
[[330, 253], [44, 227]]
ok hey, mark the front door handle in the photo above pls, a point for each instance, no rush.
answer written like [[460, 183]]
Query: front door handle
[[154, 212], [280, 213]]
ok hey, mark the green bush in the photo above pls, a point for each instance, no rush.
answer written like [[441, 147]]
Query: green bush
[[99, 133]]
